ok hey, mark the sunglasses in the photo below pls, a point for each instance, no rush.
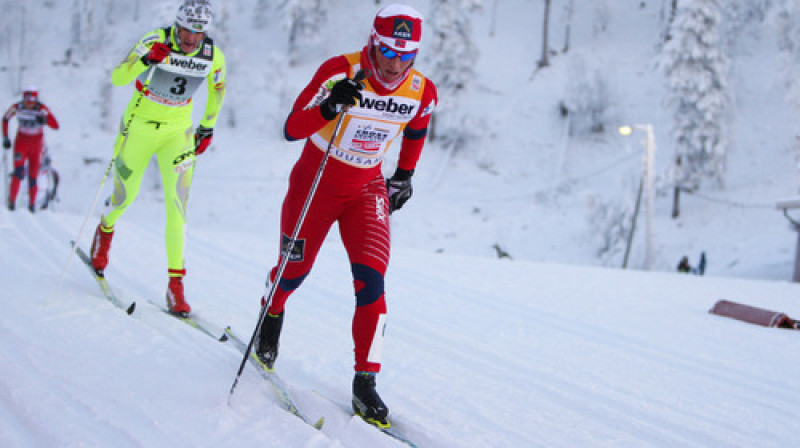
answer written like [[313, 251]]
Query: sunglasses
[[388, 53], [189, 30]]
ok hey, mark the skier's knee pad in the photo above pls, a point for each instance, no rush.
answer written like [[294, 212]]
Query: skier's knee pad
[[290, 284], [19, 172], [31, 181], [368, 284]]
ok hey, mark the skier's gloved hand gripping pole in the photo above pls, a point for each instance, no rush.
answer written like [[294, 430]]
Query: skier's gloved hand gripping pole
[[339, 101], [125, 130]]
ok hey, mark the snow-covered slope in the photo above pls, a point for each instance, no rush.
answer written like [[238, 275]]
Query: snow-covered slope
[[478, 352], [548, 348]]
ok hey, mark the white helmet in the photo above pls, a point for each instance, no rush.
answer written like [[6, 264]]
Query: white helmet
[[195, 15]]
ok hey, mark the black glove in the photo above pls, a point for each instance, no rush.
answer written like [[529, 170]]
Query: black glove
[[6, 142], [399, 188], [202, 138], [41, 119], [346, 92]]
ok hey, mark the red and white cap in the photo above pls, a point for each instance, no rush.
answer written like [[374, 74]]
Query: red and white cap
[[30, 93], [398, 27]]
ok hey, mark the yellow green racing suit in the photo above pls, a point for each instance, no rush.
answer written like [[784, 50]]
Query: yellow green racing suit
[[159, 122]]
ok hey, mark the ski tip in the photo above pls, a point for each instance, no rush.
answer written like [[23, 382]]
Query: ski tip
[[131, 308], [319, 423]]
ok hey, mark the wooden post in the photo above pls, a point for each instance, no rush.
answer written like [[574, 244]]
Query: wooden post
[[786, 205], [676, 195], [633, 224], [649, 192], [796, 276], [545, 61]]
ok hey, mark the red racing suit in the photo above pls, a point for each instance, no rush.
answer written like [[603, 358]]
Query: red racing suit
[[28, 144], [352, 190]]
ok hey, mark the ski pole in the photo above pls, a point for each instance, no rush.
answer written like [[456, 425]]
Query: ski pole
[[124, 134], [286, 253]]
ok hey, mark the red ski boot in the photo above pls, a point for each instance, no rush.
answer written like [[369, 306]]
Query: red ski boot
[[101, 243], [176, 302]]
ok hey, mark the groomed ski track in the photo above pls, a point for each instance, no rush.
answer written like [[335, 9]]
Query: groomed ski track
[[478, 352]]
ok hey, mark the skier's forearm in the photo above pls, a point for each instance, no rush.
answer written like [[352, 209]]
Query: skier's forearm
[[127, 70], [216, 91], [52, 122], [303, 123], [214, 104]]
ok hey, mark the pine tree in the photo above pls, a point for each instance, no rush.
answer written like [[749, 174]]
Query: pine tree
[[260, 14], [696, 69], [305, 20], [453, 56], [588, 98], [785, 22]]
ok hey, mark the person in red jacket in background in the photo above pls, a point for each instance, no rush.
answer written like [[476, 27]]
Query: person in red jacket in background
[[32, 116]]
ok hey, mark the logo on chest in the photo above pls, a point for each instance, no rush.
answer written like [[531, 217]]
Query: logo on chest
[[388, 107], [369, 139], [188, 66]]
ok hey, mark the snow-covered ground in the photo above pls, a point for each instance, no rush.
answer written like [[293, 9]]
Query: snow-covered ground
[[554, 347]]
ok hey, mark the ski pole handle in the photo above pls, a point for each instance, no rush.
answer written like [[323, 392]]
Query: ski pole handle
[[358, 77]]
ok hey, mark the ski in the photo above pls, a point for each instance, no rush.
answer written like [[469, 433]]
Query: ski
[[278, 385], [105, 287], [392, 430], [196, 322]]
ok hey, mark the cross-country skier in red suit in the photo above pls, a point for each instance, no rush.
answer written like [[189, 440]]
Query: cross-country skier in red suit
[[394, 101], [32, 117]]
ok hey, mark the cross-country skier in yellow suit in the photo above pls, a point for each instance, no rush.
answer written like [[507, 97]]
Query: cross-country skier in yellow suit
[[169, 65]]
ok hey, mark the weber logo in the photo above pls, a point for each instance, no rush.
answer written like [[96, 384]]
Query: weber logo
[[388, 106], [188, 64]]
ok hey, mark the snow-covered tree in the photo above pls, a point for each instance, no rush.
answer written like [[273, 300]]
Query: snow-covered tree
[[260, 14], [738, 15], [784, 20], [613, 225], [452, 55], [451, 51], [602, 17], [587, 101], [305, 21], [696, 70]]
